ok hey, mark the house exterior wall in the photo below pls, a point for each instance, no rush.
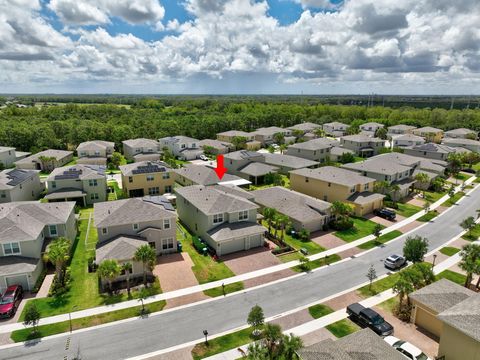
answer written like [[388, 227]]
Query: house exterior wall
[[31, 277], [137, 271], [139, 181], [129, 152], [426, 319], [335, 130], [455, 345], [431, 137], [28, 190], [393, 131], [370, 128], [7, 158], [405, 143], [102, 161], [176, 147], [427, 154], [36, 164], [228, 138], [357, 146], [100, 189], [319, 155], [399, 176]]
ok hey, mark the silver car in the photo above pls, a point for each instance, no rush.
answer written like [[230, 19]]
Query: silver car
[[394, 262]]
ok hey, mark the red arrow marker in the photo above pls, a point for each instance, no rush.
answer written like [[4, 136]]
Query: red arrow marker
[[220, 169]]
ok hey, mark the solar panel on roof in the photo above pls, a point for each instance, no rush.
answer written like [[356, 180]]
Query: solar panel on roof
[[159, 200], [17, 176]]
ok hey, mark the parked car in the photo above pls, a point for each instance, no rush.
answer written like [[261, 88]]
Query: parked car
[[394, 262], [367, 317], [11, 301], [203, 157], [406, 349], [385, 213]]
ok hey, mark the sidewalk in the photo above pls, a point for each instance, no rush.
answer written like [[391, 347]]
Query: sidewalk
[[242, 277]]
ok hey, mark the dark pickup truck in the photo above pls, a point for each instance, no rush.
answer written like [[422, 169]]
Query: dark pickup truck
[[367, 317]]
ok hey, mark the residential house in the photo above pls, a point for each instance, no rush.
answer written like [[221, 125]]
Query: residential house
[[182, 147], [26, 228], [203, 175], [84, 183], [451, 312], [472, 145], [316, 150], [266, 136], [335, 129], [363, 145], [330, 183], [46, 160], [306, 127], [361, 345], [370, 128], [147, 178], [304, 212], [286, 163], [216, 146], [461, 133], [20, 185], [407, 140], [226, 222], [95, 152], [228, 137], [141, 149], [400, 129], [430, 134], [237, 160], [430, 151], [7, 156], [336, 153], [125, 225]]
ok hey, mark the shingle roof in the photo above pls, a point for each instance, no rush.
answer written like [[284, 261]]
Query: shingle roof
[[131, 211], [338, 151], [460, 131], [306, 126], [24, 221], [143, 166], [409, 137], [119, 248], [240, 229], [465, 316], [267, 131], [203, 175], [432, 147], [362, 138], [65, 193], [179, 138], [11, 265], [244, 155], [210, 200], [335, 175], [234, 133], [215, 144], [57, 154], [401, 127], [373, 123], [13, 177], [315, 144], [441, 295], [258, 169], [336, 124], [234, 190], [141, 142], [460, 141], [95, 144], [295, 205], [290, 161], [365, 197], [427, 129], [379, 165], [84, 172]]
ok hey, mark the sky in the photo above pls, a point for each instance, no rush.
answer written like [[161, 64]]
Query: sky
[[240, 46]]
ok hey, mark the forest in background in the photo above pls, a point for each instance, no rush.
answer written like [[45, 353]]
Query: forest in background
[[51, 124]]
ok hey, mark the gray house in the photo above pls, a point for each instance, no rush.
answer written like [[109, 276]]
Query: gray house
[[84, 183], [7, 156], [20, 185], [125, 225], [370, 128], [305, 212], [286, 163], [225, 221], [306, 127], [407, 140], [182, 147], [472, 145], [26, 228], [335, 128], [400, 129], [363, 145], [46, 160], [266, 135], [95, 152], [430, 151], [141, 149], [461, 133], [200, 175], [216, 146], [315, 150]]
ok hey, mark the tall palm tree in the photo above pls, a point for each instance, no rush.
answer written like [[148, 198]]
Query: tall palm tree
[[109, 270], [127, 267], [282, 222], [341, 210], [319, 132], [147, 256], [402, 287], [272, 336], [282, 148], [269, 214], [470, 255], [58, 253], [423, 181], [290, 345]]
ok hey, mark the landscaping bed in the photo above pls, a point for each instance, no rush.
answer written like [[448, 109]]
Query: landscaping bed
[[453, 200]]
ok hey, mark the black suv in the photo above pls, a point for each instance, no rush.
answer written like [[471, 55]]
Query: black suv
[[385, 213]]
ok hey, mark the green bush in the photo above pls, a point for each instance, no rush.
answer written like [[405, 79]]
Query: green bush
[[342, 224]]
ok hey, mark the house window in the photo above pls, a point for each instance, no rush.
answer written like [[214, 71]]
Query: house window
[[365, 187], [54, 185], [52, 229], [325, 197], [167, 244], [130, 179], [166, 224], [243, 215], [11, 248], [352, 190], [92, 182], [93, 196], [168, 189], [217, 218], [135, 226], [3, 194], [329, 184], [104, 231], [153, 190], [152, 244], [183, 146], [166, 175], [150, 177]]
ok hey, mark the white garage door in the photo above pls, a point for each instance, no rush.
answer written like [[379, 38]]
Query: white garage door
[[18, 280], [232, 246]]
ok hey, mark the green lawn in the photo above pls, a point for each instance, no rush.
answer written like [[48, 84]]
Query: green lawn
[[362, 227], [285, 179], [118, 192], [452, 276], [318, 263], [222, 344], [381, 240], [64, 326], [449, 250], [407, 210], [343, 328], [474, 234], [229, 288], [453, 199], [390, 304], [289, 257], [432, 197], [204, 268], [428, 216], [319, 310], [462, 177], [378, 286]]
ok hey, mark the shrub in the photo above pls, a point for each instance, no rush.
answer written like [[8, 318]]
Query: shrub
[[403, 311], [342, 224], [57, 289]]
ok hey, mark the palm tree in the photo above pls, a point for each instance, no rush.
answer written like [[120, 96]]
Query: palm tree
[[109, 270], [282, 148], [468, 224], [147, 256], [272, 335], [341, 210], [127, 267], [269, 214], [423, 181], [470, 255], [58, 253], [282, 222], [393, 189], [381, 186], [402, 287], [290, 345]]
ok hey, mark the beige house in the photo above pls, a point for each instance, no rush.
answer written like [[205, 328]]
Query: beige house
[[330, 183], [362, 145], [141, 149], [95, 152], [335, 128], [7, 156], [125, 225], [51, 159], [461, 133], [370, 128], [147, 178], [20, 185], [286, 163], [400, 129], [315, 150], [228, 137], [226, 222], [216, 146], [84, 183], [266, 136], [26, 228], [430, 134], [305, 127]]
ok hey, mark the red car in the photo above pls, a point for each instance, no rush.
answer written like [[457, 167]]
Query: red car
[[10, 301]]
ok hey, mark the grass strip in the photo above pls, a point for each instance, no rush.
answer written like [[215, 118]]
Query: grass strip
[[229, 288], [381, 240], [453, 200], [449, 250], [342, 328], [319, 310], [428, 216], [222, 344]]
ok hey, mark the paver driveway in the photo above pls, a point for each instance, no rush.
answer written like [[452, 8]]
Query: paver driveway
[[327, 240], [384, 222]]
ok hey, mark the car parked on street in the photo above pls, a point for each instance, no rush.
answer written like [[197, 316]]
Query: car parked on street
[[395, 262], [367, 317], [385, 213], [10, 301], [406, 349]]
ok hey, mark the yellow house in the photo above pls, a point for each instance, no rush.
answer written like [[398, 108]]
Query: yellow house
[[330, 183], [147, 178], [430, 134]]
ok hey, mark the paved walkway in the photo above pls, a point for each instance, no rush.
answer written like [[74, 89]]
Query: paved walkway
[[45, 288], [242, 277]]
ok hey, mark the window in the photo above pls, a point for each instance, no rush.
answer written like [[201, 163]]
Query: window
[[243, 215], [104, 231], [150, 177], [52, 229], [365, 187], [135, 226], [152, 244], [352, 190], [217, 218], [92, 182], [166, 175], [93, 196], [11, 248], [130, 179], [167, 244], [3, 194], [97, 153], [166, 224], [183, 146], [325, 197], [83, 153], [154, 190], [54, 185], [329, 184], [168, 189]]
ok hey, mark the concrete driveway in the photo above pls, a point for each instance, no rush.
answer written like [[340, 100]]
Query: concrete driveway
[[384, 222]]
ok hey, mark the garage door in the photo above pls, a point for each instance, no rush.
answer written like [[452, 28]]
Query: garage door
[[256, 241], [18, 280], [427, 321], [232, 246]]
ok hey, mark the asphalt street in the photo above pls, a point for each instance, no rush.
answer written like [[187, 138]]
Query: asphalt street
[[150, 334]]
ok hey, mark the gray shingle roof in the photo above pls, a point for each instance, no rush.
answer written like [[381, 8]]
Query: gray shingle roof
[[131, 211], [379, 165], [315, 144], [141, 142], [240, 229], [210, 200], [432, 147], [244, 155], [13, 177], [24, 221], [339, 151], [372, 123], [85, 172], [289, 161], [409, 137], [267, 131], [119, 248], [6, 148], [66, 193], [203, 175], [460, 131], [179, 138], [258, 169], [95, 145], [465, 316], [156, 166], [295, 205], [362, 138], [57, 154], [235, 133], [234, 190], [223, 145], [334, 175], [441, 295], [460, 141], [306, 126], [427, 129], [401, 127], [336, 124], [365, 197], [11, 265]]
